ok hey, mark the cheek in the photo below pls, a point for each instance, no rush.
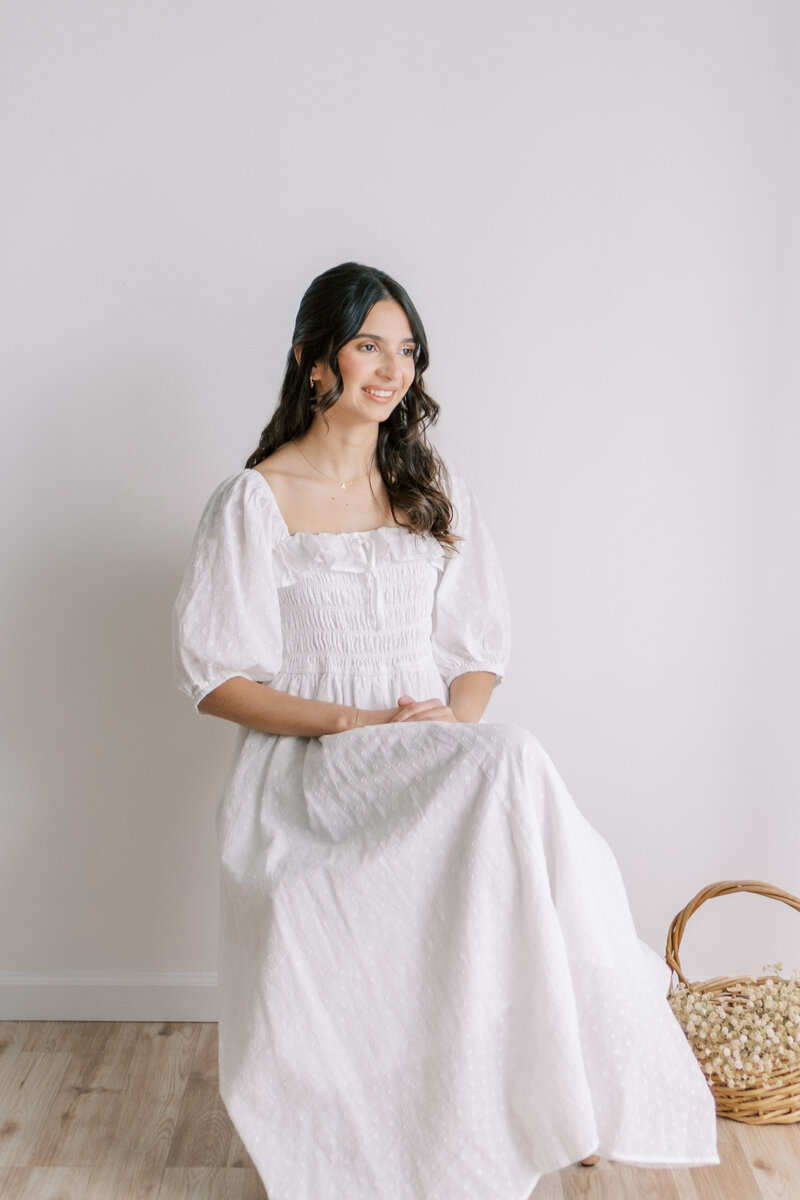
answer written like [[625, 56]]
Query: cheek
[[350, 364]]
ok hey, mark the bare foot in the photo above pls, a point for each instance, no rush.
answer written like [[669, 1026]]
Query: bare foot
[[590, 1161]]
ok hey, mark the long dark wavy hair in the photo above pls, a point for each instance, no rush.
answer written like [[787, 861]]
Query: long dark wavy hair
[[331, 313]]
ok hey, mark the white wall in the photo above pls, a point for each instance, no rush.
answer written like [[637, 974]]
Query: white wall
[[594, 207]]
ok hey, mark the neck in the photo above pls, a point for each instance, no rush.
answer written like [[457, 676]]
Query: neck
[[342, 453]]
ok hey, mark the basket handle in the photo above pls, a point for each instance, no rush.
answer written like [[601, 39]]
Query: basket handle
[[724, 888]]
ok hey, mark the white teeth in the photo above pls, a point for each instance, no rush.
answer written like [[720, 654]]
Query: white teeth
[[380, 395]]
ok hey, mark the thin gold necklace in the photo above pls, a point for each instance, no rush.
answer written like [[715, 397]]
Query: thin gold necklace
[[330, 477]]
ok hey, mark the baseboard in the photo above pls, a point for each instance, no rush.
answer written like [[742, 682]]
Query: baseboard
[[90, 996]]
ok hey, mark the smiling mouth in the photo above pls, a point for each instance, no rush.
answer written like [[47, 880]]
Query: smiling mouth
[[379, 393]]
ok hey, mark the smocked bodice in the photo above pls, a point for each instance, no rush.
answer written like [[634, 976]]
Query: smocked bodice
[[356, 603], [354, 617]]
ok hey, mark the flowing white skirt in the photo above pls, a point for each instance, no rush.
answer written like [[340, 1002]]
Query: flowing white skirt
[[431, 984]]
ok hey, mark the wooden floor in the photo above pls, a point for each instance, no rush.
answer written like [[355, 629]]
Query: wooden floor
[[101, 1110]]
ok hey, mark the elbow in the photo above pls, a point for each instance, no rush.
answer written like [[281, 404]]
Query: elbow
[[209, 705], [225, 699]]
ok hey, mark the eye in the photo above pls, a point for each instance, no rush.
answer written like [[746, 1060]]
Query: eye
[[408, 351]]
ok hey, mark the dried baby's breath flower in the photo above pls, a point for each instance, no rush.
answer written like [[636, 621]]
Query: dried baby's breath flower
[[743, 1037]]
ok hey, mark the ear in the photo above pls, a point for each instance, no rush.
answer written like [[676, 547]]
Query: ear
[[297, 350]]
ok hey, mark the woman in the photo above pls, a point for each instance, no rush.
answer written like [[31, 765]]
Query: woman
[[431, 985]]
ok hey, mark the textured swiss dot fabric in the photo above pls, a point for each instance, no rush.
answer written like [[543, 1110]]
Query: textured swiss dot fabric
[[259, 602], [226, 619], [431, 986]]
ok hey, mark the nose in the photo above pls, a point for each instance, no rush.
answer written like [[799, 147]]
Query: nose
[[387, 368]]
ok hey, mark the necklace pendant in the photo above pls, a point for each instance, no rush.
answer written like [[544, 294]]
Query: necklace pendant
[[344, 485]]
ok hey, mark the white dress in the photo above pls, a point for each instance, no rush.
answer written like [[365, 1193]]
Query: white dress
[[431, 987]]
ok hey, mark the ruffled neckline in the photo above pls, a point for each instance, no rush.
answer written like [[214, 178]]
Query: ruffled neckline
[[365, 553], [369, 547], [354, 551], [305, 534], [304, 537]]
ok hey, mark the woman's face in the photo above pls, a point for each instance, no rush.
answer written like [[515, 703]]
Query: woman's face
[[377, 366]]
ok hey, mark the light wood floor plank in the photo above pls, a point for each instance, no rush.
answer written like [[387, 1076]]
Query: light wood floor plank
[[244, 1184], [81, 1124], [640, 1183], [548, 1188], [193, 1183], [732, 1178], [131, 1111], [53, 1035], [211, 1183], [133, 1165], [616, 1181], [238, 1156], [682, 1178], [13, 1182], [57, 1183], [12, 1040], [586, 1183], [14, 1033], [204, 1131], [769, 1154], [27, 1091]]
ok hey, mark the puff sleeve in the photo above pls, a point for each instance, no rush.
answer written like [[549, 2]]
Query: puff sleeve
[[226, 618], [471, 622]]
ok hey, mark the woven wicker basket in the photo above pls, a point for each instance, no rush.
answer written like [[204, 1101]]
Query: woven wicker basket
[[779, 1104]]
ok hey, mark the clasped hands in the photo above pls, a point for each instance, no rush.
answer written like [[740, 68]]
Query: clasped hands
[[408, 709], [422, 710]]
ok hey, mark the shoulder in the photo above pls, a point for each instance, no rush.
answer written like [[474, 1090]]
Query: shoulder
[[457, 486], [282, 470], [284, 462], [243, 501], [469, 518], [235, 490]]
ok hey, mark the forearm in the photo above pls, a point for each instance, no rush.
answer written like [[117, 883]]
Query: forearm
[[258, 706], [469, 694]]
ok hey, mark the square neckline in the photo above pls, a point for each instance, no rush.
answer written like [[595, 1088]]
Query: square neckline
[[323, 533]]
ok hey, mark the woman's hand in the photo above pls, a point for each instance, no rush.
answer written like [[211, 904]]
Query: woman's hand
[[422, 710]]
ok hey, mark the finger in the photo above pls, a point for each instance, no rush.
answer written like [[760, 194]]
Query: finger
[[431, 712], [442, 713], [409, 710]]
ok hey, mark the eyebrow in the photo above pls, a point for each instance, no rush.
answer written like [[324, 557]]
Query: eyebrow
[[376, 337]]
